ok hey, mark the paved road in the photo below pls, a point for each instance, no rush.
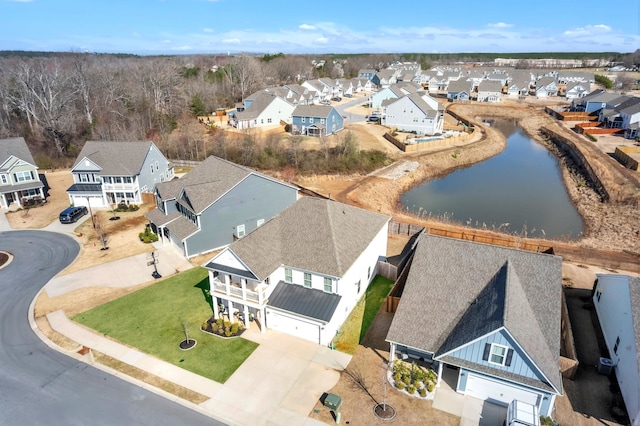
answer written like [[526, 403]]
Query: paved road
[[41, 386]]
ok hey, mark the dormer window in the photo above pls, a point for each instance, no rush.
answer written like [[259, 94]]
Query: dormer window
[[497, 354]]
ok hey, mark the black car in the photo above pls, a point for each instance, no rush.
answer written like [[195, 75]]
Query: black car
[[72, 214]]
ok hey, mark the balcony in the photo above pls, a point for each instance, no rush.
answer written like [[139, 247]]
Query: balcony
[[253, 292]]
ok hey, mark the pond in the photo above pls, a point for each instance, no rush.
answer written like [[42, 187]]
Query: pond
[[518, 191]]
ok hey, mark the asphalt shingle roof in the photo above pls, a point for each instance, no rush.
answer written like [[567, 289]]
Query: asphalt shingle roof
[[16, 147], [313, 234], [115, 158], [465, 290]]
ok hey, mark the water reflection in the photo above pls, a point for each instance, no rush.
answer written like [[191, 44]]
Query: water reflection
[[518, 191]]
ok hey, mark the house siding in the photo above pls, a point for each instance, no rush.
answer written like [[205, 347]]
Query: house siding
[[254, 198], [148, 180], [520, 363], [612, 302]]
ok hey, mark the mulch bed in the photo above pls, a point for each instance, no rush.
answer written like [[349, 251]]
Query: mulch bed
[[187, 344]]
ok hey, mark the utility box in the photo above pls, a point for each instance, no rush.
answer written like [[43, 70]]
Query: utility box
[[333, 402], [605, 366]]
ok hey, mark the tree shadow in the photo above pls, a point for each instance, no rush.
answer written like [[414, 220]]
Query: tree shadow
[[203, 285]]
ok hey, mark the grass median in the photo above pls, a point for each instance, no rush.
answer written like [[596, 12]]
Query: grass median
[[152, 318]]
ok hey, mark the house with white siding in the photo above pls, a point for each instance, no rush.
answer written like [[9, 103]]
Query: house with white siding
[[489, 91], [414, 113], [303, 271], [616, 299], [262, 109]]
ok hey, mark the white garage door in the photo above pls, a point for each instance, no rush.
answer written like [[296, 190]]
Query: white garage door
[[498, 392], [286, 324], [81, 200]]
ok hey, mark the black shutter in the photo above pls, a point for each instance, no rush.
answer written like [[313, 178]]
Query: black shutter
[[507, 362], [31, 172], [487, 349]]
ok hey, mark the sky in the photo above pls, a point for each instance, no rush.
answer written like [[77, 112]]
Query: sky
[[329, 26]]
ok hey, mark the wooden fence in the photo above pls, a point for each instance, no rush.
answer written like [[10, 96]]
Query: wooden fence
[[480, 237], [402, 228], [569, 355]]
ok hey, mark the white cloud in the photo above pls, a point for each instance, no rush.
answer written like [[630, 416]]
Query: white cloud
[[207, 30], [322, 40], [500, 25], [307, 27], [231, 41], [588, 30], [166, 41]]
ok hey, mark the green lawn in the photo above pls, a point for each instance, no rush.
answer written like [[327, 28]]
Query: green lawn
[[151, 320], [358, 322]]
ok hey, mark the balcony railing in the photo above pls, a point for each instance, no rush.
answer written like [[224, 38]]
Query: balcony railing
[[236, 291]]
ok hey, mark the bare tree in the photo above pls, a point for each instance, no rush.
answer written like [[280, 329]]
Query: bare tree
[[246, 75]]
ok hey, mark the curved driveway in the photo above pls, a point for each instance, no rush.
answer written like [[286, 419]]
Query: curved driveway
[[41, 386]]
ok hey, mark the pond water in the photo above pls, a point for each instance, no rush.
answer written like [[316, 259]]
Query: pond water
[[518, 191]]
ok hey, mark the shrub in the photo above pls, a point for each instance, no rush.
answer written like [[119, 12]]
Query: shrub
[[205, 325], [227, 332], [234, 328], [219, 322], [406, 379], [215, 327], [431, 386], [400, 385], [591, 137], [422, 392], [397, 377], [411, 389], [148, 236]]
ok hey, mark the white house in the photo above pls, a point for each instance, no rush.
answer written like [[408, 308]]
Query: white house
[[19, 178], [489, 91], [617, 302], [262, 109], [303, 271], [414, 113]]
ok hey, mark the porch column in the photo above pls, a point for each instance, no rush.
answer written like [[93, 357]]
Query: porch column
[[246, 316], [227, 283], [392, 352], [16, 198], [230, 305], [263, 321], [243, 284], [439, 374], [216, 311]]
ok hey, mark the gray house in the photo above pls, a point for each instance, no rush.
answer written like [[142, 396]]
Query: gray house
[[19, 180], [215, 204], [108, 172], [490, 313]]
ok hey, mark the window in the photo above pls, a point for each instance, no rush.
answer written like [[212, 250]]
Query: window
[[615, 347], [358, 287], [127, 179], [240, 231], [117, 179], [260, 222], [157, 166], [307, 280], [151, 166], [3, 178], [84, 177], [288, 275], [369, 272], [303, 119], [497, 354], [269, 121], [328, 285], [23, 176], [598, 294]]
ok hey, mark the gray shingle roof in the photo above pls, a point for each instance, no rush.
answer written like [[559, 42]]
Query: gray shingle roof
[[634, 295], [205, 183], [313, 234], [16, 147], [158, 218], [489, 86], [315, 111], [465, 290], [182, 227], [308, 302], [261, 100], [116, 158]]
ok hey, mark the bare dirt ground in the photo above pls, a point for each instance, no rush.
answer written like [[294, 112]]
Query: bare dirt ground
[[39, 217]]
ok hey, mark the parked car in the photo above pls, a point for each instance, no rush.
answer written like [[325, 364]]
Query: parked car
[[325, 102], [374, 118], [72, 214], [337, 99]]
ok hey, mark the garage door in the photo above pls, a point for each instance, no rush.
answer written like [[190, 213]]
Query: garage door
[[294, 327], [499, 392], [81, 200]]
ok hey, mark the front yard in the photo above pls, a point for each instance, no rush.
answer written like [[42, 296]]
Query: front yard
[[151, 320]]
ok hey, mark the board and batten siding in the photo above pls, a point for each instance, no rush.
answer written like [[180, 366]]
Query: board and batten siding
[[520, 363], [255, 198]]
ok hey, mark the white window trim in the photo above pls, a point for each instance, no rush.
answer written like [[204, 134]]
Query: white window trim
[[305, 281], [289, 278], [504, 355], [240, 231], [260, 222]]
